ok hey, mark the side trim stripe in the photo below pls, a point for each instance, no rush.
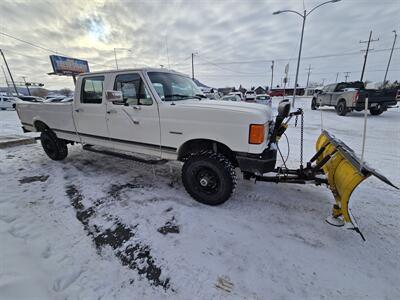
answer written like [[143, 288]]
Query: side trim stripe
[[165, 148]]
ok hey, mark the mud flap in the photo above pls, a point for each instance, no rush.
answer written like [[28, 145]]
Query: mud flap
[[344, 172]]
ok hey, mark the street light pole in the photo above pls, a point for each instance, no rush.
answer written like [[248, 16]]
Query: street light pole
[[303, 16], [390, 57], [115, 55]]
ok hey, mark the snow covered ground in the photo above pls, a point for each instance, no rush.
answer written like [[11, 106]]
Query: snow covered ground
[[99, 227]]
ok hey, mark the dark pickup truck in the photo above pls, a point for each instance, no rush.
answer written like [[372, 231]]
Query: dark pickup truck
[[349, 96]]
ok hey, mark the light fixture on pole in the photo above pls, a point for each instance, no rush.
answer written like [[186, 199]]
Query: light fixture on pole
[[303, 15], [115, 54]]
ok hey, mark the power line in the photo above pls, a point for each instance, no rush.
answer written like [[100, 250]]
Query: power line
[[43, 48], [291, 58]]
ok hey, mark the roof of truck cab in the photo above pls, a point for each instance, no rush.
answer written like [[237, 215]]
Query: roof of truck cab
[[133, 70]]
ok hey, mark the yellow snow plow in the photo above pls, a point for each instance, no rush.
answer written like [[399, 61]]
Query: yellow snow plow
[[334, 164], [344, 172]]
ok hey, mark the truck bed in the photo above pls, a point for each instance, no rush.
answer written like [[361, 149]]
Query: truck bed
[[55, 115]]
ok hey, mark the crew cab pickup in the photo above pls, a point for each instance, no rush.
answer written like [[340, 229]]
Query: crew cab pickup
[[160, 113], [348, 96]]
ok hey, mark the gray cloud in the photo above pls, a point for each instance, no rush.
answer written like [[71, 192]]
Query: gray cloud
[[219, 31]]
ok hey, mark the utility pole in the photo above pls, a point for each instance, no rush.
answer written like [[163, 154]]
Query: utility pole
[[308, 76], [390, 57], [337, 75], [272, 74], [29, 92], [366, 52], [346, 74], [9, 72], [8, 85], [192, 66]]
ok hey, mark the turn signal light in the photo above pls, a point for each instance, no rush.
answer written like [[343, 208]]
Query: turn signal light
[[256, 134]]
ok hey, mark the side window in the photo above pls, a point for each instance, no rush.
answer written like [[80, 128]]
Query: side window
[[133, 90], [92, 90]]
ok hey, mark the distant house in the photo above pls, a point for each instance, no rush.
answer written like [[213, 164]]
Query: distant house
[[260, 90]]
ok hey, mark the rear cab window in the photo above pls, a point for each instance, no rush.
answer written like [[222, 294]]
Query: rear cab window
[[92, 90]]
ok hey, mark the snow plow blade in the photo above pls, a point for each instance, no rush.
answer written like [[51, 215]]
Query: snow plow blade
[[344, 172]]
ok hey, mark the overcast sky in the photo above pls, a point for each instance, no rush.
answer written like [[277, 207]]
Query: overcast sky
[[235, 41]]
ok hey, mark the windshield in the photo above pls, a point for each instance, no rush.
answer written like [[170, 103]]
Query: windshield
[[174, 87]]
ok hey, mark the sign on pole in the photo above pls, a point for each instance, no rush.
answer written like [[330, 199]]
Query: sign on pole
[[68, 66]]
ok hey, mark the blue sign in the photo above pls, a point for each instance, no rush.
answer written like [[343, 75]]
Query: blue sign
[[68, 66]]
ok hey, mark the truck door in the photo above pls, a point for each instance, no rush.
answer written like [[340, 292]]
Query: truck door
[[336, 91], [134, 123], [324, 96], [90, 110]]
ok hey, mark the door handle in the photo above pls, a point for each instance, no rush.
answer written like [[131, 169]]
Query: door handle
[[136, 122], [78, 109], [136, 107], [111, 111]]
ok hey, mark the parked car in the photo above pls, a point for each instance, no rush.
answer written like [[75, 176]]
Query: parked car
[[67, 99], [31, 98], [276, 93], [7, 102], [349, 96], [212, 96], [250, 95], [55, 99], [264, 99], [231, 98], [240, 94], [168, 122]]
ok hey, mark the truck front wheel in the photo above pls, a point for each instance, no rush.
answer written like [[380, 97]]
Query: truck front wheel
[[341, 108], [209, 177], [55, 148]]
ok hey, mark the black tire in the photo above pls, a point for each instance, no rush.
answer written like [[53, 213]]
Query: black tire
[[55, 148], [209, 177], [376, 111], [341, 108], [314, 104]]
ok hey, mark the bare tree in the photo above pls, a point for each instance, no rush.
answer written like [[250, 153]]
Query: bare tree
[[65, 92], [39, 92]]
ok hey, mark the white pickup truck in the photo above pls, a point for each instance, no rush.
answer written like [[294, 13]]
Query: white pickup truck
[[160, 113]]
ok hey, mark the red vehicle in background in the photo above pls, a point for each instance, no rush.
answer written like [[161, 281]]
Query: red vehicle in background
[[276, 93]]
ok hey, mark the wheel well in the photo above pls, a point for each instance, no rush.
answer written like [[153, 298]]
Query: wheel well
[[197, 145], [40, 126]]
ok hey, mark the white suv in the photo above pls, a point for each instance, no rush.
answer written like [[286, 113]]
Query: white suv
[[250, 95], [7, 102]]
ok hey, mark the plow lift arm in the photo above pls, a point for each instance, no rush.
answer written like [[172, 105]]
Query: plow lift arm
[[334, 164]]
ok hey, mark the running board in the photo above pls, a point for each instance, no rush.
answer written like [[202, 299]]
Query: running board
[[92, 148]]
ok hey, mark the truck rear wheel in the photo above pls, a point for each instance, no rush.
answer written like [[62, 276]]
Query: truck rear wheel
[[341, 108], [376, 111], [209, 177], [55, 148]]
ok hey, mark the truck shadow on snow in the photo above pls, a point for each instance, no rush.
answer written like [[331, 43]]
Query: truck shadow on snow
[[119, 237]]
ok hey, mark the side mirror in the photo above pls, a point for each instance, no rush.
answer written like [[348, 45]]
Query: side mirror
[[284, 108], [114, 96]]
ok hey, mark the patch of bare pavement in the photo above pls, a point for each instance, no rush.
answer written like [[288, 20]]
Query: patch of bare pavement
[[30, 179], [120, 237]]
